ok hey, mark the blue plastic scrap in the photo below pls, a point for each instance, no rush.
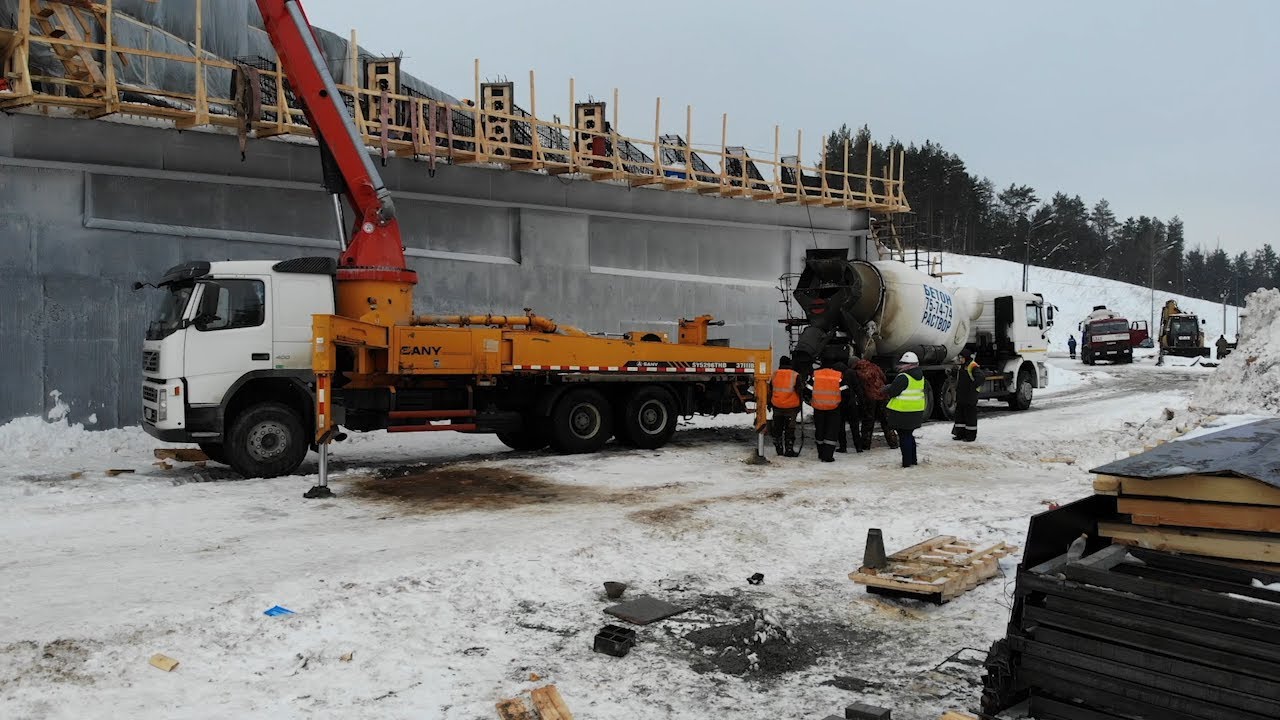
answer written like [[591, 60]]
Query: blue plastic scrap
[[277, 610]]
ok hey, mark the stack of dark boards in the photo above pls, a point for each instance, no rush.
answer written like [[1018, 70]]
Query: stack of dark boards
[[1165, 612]]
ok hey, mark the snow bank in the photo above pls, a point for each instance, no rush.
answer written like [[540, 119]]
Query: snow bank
[[1061, 379], [32, 444], [1248, 380]]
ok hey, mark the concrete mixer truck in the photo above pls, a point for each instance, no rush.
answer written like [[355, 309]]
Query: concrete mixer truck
[[879, 310]]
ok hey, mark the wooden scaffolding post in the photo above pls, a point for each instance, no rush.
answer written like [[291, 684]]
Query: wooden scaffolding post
[[870, 190], [824, 191], [777, 157], [724, 152], [573, 131], [844, 172], [613, 136], [536, 139], [688, 144], [113, 97], [353, 80], [657, 138], [482, 152], [202, 92]]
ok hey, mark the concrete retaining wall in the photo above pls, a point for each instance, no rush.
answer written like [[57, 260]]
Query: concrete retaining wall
[[88, 207]]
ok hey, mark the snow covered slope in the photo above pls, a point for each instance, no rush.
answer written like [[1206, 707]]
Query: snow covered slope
[[1075, 295]]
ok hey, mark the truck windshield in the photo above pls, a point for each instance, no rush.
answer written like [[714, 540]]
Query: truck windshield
[[1109, 327], [169, 318], [1184, 326]]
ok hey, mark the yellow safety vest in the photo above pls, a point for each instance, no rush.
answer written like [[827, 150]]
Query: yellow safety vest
[[911, 399]]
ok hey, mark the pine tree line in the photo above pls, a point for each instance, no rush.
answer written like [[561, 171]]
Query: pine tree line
[[954, 210]]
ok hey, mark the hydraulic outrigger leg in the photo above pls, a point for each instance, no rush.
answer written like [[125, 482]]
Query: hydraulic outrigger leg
[[325, 430]]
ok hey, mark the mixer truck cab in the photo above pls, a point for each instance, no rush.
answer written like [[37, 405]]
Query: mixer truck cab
[[229, 354]]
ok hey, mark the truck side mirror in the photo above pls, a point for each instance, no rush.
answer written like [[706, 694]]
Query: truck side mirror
[[208, 311]]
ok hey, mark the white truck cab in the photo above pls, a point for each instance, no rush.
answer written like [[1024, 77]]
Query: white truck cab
[[229, 354]]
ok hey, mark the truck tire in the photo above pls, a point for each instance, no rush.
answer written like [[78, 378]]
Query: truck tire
[[1022, 391], [946, 400], [215, 452], [265, 441], [525, 439], [648, 418], [580, 422], [930, 401]]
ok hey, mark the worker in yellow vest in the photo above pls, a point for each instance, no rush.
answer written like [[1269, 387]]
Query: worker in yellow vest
[[907, 405], [784, 398], [824, 391]]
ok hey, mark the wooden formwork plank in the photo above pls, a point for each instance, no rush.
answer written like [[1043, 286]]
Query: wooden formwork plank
[[1218, 516], [1256, 548], [1212, 488]]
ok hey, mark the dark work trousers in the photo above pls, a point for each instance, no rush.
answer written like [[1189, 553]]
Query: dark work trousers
[[966, 427], [907, 443], [827, 425], [871, 414], [784, 429], [850, 415]]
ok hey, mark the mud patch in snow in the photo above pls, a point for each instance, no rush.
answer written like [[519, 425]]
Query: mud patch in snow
[[454, 487], [739, 639]]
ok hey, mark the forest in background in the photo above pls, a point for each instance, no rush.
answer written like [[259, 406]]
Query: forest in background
[[954, 210]]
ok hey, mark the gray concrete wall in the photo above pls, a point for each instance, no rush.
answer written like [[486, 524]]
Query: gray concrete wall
[[88, 207]]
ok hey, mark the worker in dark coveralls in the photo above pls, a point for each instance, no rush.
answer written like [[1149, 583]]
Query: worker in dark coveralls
[[784, 398], [824, 390], [871, 382], [850, 409], [968, 385], [1071, 345], [907, 405]]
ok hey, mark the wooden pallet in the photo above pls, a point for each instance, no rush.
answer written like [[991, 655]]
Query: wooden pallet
[[938, 569]]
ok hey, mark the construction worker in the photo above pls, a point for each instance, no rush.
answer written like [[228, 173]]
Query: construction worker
[[850, 408], [1071, 345], [871, 382], [823, 390], [1224, 347], [968, 385], [784, 398], [906, 405]]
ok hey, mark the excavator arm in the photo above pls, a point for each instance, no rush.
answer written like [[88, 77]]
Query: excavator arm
[[372, 262]]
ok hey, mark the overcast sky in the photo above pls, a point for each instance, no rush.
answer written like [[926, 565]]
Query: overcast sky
[[1163, 107]]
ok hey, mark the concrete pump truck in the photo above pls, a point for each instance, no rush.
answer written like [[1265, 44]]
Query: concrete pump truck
[[258, 361]]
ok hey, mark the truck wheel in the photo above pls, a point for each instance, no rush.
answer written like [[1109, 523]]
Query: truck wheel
[[1022, 392], [648, 419], [930, 402], [215, 452], [580, 422], [946, 401], [525, 439], [266, 441]]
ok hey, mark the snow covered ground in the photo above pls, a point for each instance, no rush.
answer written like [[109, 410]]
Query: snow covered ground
[[454, 570], [1075, 295]]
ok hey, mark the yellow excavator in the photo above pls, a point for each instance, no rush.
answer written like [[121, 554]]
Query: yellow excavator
[[1180, 333]]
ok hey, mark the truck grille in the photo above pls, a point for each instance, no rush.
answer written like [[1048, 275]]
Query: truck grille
[[150, 360], [150, 394]]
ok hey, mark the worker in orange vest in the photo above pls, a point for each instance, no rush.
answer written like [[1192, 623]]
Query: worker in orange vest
[[784, 398], [824, 391]]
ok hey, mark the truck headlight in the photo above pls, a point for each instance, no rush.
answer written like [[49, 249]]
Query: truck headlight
[[162, 413]]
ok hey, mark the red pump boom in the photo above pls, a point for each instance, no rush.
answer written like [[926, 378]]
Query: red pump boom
[[374, 283]]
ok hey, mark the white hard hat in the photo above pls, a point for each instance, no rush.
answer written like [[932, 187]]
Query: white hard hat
[[909, 358]]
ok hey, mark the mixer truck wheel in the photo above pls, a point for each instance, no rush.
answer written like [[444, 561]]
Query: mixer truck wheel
[[580, 422], [946, 401], [1022, 392], [930, 400]]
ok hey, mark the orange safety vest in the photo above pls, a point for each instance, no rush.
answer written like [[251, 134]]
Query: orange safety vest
[[826, 389], [785, 396]]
